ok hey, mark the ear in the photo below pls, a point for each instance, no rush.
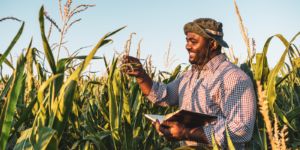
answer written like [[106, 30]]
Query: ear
[[213, 45]]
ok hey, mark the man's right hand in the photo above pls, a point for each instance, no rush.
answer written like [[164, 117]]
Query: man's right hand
[[132, 66]]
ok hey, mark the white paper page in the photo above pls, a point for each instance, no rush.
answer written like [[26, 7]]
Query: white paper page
[[153, 118]]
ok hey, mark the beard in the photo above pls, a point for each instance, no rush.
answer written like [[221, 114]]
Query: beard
[[196, 58], [193, 62]]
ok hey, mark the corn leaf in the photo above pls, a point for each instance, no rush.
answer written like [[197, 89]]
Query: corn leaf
[[261, 67], [282, 116], [11, 45], [229, 141], [295, 113], [8, 63], [26, 114], [40, 73], [271, 88], [213, 140], [75, 75], [126, 102], [46, 138], [23, 142], [113, 107], [47, 49], [41, 91], [97, 138], [78, 57], [64, 107], [174, 74], [3, 94], [64, 104], [12, 99], [296, 62]]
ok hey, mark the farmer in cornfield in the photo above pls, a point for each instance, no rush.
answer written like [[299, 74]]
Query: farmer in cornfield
[[212, 86]]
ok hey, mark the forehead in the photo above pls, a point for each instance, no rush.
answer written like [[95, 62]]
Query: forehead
[[193, 35]]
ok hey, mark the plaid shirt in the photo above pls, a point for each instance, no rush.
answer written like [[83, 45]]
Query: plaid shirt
[[221, 89]]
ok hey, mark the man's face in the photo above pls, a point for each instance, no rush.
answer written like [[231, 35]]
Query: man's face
[[197, 47]]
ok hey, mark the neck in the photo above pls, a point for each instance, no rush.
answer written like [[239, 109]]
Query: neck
[[210, 55], [213, 54], [199, 67]]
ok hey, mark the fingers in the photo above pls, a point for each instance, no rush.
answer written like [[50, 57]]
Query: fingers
[[130, 59], [156, 125], [169, 123], [165, 131], [161, 129], [132, 70], [131, 66]]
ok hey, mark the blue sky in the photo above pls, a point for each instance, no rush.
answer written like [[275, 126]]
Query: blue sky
[[157, 22]]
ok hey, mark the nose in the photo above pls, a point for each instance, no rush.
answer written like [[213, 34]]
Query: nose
[[188, 46]]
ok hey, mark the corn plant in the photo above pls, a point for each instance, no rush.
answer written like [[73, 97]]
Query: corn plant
[[277, 91], [17, 81], [59, 107]]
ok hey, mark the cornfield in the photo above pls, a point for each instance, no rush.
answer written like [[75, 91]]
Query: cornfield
[[64, 109]]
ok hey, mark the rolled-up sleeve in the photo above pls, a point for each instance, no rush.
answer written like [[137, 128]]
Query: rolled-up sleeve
[[165, 94], [239, 111]]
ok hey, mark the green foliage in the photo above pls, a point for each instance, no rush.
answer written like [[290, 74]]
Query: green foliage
[[280, 85], [11, 45], [12, 98], [106, 112], [228, 139], [47, 49]]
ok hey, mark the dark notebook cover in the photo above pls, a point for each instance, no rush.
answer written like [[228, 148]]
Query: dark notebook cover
[[188, 118]]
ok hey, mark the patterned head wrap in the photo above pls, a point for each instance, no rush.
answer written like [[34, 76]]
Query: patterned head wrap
[[208, 28]]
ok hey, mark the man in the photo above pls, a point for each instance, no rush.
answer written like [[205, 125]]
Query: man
[[213, 86]]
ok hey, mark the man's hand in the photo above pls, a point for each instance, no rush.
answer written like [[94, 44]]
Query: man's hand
[[171, 130], [178, 132], [132, 66]]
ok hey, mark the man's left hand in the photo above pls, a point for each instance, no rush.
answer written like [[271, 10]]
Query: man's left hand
[[172, 130]]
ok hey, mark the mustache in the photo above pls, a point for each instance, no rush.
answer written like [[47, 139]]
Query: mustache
[[198, 54]]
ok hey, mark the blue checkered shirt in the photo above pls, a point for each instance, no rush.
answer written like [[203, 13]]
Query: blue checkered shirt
[[221, 89]]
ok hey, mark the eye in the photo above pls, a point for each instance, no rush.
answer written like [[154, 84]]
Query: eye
[[193, 41]]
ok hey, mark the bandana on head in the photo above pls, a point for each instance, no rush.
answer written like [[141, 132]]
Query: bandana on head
[[208, 28]]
